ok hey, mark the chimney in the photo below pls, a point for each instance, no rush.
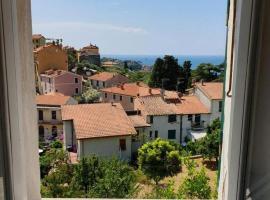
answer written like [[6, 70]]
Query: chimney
[[202, 82], [162, 91], [122, 86]]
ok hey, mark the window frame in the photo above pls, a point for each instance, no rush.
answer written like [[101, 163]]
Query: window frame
[[76, 80], [121, 147], [170, 118], [156, 134], [53, 113], [170, 132]]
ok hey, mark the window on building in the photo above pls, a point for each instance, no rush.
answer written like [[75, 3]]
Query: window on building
[[122, 143], [40, 115], [171, 118], [91, 81], [131, 99], [49, 80], [114, 96], [220, 106], [76, 90], [120, 98], [171, 134], [151, 119], [197, 118], [41, 132], [103, 84], [97, 83], [76, 80], [156, 134], [106, 95], [53, 114], [150, 134], [54, 131], [190, 118]]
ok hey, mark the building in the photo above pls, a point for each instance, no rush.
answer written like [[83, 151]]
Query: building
[[211, 95], [127, 92], [103, 129], [107, 79], [38, 40], [50, 123], [109, 64], [90, 53], [50, 57], [61, 81]]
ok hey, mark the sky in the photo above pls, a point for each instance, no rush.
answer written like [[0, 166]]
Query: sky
[[135, 27]]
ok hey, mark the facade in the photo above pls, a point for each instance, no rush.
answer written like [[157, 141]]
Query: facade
[[107, 79], [126, 94], [91, 54], [211, 95], [49, 115], [38, 40], [61, 81], [50, 57], [103, 129]]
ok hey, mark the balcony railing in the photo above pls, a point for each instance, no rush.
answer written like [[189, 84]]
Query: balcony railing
[[198, 126], [51, 122]]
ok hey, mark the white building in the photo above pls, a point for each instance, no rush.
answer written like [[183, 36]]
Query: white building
[[211, 95], [102, 129]]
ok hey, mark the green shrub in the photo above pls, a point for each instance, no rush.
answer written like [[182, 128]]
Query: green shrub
[[158, 159]]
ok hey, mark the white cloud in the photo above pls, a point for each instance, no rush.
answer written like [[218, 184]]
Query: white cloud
[[89, 26]]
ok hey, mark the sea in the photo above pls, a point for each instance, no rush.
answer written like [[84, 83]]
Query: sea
[[149, 60]]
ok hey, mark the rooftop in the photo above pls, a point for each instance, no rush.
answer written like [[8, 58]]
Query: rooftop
[[103, 76], [52, 99], [213, 90], [47, 46], [191, 105], [138, 121], [105, 120], [54, 73], [37, 36], [132, 89], [155, 105]]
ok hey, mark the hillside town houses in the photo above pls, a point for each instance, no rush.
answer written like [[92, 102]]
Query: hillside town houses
[[127, 115]]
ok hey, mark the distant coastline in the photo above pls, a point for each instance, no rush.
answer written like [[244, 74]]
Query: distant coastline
[[149, 60]]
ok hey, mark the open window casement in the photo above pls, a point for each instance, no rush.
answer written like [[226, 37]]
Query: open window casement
[[246, 63], [244, 165], [19, 138]]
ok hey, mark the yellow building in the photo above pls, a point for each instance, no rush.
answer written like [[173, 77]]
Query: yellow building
[[49, 115], [38, 40], [50, 56]]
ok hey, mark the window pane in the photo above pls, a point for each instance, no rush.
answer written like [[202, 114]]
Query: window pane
[[171, 134]]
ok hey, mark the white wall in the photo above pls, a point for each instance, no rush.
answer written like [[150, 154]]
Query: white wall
[[215, 110], [107, 147], [203, 98]]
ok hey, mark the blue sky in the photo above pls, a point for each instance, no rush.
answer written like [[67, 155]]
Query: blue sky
[[142, 27]]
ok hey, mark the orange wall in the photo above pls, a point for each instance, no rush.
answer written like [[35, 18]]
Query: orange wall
[[51, 57]]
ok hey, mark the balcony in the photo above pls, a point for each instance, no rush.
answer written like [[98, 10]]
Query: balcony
[[50, 122], [198, 126]]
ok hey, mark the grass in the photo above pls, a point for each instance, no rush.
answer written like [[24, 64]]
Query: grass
[[146, 185]]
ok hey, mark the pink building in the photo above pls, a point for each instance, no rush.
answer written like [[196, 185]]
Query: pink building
[[61, 81]]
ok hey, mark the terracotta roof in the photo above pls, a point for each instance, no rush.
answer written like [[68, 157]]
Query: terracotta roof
[[191, 105], [54, 73], [132, 89], [37, 36], [155, 105], [213, 90], [98, 120], [52, 99], [46, 46], [103, 76], [138, 121]]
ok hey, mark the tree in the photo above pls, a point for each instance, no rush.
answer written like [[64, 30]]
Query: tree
[[187, 74], [86, 173], [89, 95], [210, 143], [125, 65], [196, 184], [50, 159], [166, 69], [158, 159], [207, 72], [117, 180]]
